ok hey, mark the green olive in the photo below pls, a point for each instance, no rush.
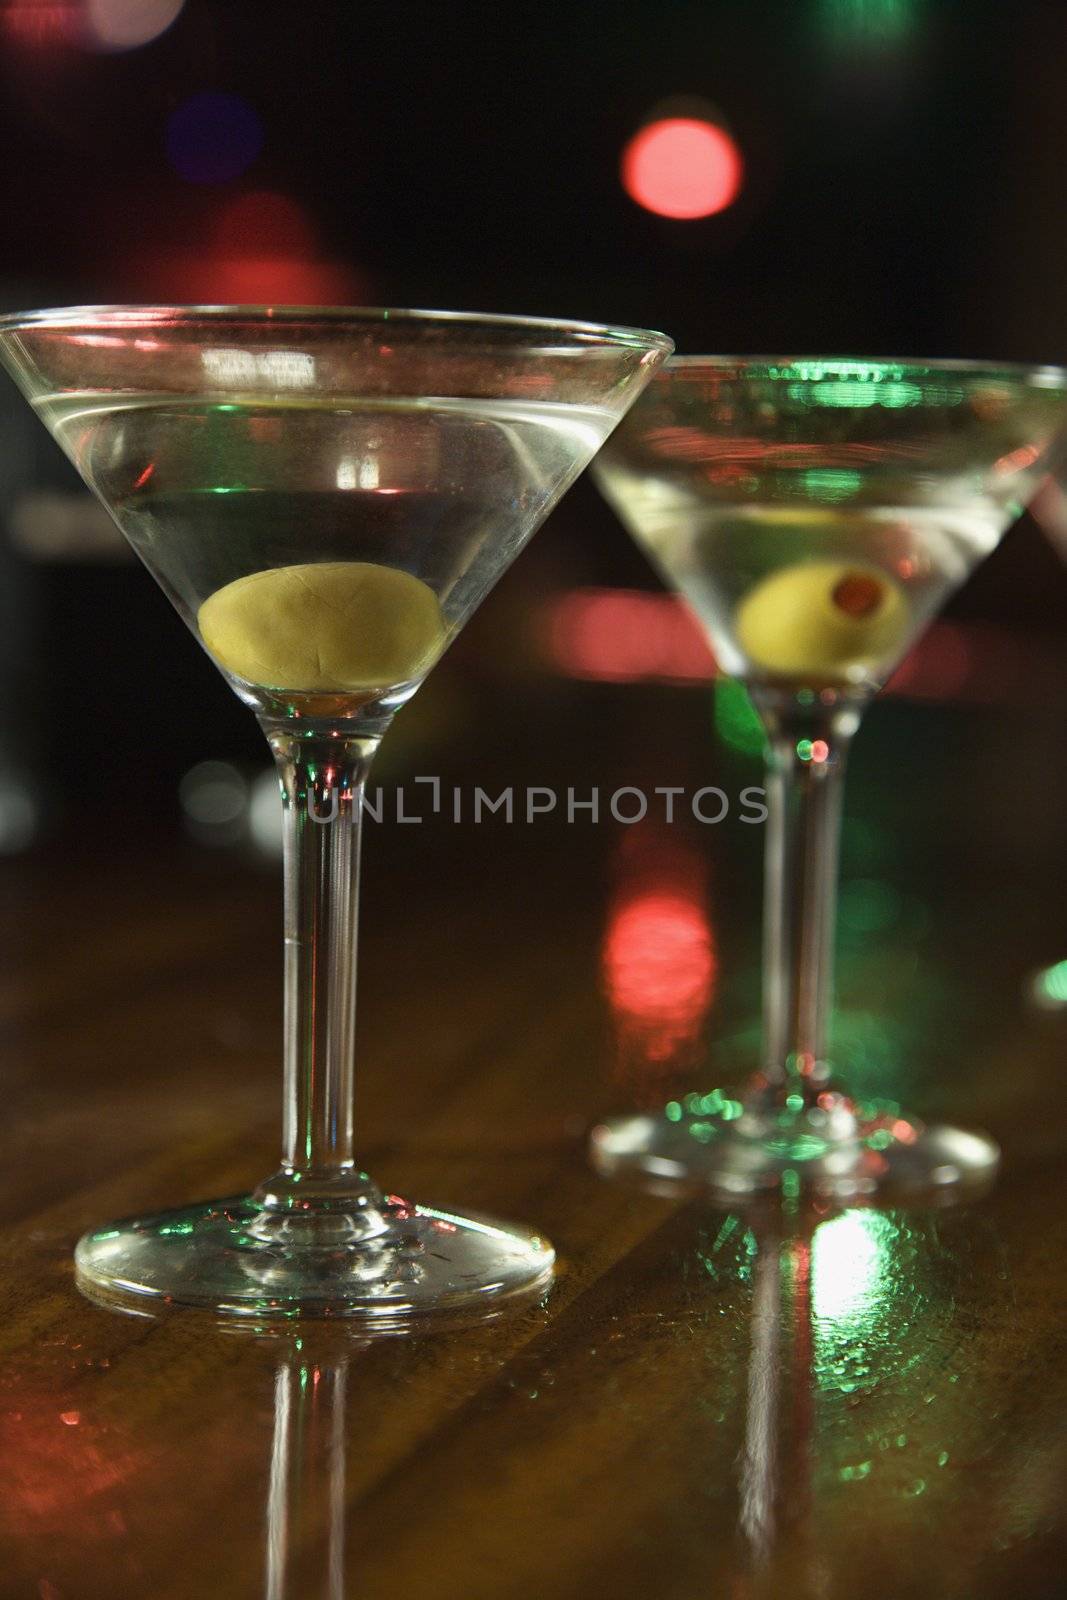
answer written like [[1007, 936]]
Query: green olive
[[327, 626], [828, 620]]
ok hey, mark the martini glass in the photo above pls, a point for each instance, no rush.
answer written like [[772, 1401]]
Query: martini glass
[[815, 514], [325, 496], [1047, 987]]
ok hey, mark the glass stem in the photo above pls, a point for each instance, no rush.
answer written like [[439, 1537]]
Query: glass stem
[[805, 778], [322, 781], [307, 1483]]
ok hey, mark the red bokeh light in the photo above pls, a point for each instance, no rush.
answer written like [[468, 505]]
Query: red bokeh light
[[279, 281], [623, 636], [682, 167], [659, 969], [266, 279], [264, 222], [658, 959], [91, 24], [262, 249], [41, 22], [939, 666], [265, 251], [627, 636]]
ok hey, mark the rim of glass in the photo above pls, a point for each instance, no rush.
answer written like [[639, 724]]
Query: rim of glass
[[151, 315], [910, 365]]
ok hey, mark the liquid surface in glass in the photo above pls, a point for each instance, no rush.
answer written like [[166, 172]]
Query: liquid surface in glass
[[814, 527], [325, 546]]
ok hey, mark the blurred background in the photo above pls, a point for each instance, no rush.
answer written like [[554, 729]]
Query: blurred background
[[857, 177]]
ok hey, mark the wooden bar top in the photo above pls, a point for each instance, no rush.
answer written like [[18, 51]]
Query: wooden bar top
[[709, 1403]]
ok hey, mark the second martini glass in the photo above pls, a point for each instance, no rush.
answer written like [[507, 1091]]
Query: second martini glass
[[815, 514], [325, 496]]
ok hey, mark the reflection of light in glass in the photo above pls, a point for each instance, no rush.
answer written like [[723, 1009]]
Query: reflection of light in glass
[[98, 341], [851, 395], [1017, 460], [859, 384], [682, 167], [861, 371], [814, 750], [288, 369], [229, 366], [271, 369], [827, 484], [347, 473]]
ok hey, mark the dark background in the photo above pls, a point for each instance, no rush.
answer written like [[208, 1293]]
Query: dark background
[[903, 195]]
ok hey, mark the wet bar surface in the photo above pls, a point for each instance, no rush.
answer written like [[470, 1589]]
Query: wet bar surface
[[711, 1403]]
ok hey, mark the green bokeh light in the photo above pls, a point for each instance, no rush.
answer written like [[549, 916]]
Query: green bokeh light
[[864, 845], [867, 905], [736, 720], [1053, 983], [867, 22]]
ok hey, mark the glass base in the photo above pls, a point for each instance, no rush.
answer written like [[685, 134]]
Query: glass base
[[846, 1152], [239, 1260]]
